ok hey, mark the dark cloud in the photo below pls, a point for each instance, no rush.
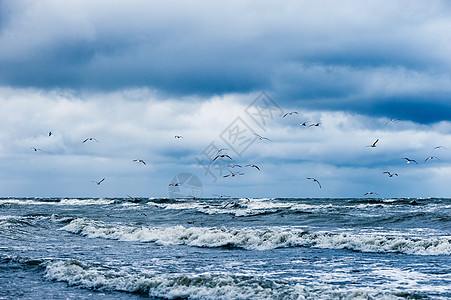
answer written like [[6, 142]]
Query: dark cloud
[[325, 55]]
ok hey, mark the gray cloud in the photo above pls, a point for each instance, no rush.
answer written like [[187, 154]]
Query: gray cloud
[[378, 57]]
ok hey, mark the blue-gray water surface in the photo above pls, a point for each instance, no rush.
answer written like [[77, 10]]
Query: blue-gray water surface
[[225, 248]]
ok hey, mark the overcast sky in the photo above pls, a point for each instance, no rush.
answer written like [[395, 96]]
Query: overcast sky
[[134, 74]]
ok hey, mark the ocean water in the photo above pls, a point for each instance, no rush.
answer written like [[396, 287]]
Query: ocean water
[[225, 248]]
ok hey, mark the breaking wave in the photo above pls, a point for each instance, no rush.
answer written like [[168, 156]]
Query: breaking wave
[[262, 239], [201, 286]]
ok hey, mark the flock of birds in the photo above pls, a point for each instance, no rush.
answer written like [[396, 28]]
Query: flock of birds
[[222, 156]]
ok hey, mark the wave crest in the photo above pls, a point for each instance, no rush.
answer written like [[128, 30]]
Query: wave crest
[[261, 239]]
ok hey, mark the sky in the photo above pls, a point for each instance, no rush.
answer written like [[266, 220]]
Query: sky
[[135, 74]]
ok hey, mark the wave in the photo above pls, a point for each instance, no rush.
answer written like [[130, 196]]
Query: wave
[[263, 239], [65, 201], [199, 286]]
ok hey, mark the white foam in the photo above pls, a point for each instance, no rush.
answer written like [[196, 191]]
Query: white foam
[[262, 239], [61, 202], [200, 286]]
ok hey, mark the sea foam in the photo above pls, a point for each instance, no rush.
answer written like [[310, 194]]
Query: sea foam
[[261, 238]]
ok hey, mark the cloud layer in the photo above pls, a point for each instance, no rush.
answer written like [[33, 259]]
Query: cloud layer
[[377, 58], [138, 124]]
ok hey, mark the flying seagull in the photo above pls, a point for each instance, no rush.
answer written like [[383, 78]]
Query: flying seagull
[[98, 182], [390, 174], [289, 113], [313, 179], [221, 196], [314, 124], [222, 149], [50, 133], [178, 137], [431, 157], [370, 193], [90, 139], [304, 124], [139, 161], [374, 144], [438, 147], [35, 149], [233, 174], [174, 184], [253, 166], [234, 166], [410, 160], [222, 156], [261, 137], [392, 120]]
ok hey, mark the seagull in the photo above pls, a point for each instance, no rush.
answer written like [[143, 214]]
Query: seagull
[[314, 124], [174, 184], [431, 157], [233, 174], [35, 149], [50, 133], [438, 147], [98, 182], [139, 161], [313, 179], [253, 166], [222, 149], [261, 137], [222, 156], [304, 124], [374, 144], [410, 160], [392, 120], [178, 137], [370, 193], [90, 139], [233, 166], [390, 174], [289, 113], [221, 196]]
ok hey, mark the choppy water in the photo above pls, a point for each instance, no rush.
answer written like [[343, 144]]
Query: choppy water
[[225, 248]]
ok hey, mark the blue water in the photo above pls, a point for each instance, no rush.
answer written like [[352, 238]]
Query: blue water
[[225, 248]]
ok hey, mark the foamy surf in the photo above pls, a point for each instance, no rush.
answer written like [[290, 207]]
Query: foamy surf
[[199, 286], [262, 239]]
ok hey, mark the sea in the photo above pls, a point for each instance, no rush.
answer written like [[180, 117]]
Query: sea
[[225, 248]]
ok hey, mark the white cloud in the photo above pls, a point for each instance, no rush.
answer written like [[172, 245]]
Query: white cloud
[[140, 124]]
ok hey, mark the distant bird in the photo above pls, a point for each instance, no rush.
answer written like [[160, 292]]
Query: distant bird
[[98, 182], [261, 137], [410, 160], [289, 113], [222, 156], [392, 120], [90, 139], [313, 179], [174, 184], [139, 161], [374, 144], [370, 193], [222, 196], [253, 166], [50, 133], [390, 174], [438, 147], [35, 149], [304, 123], [314, 125], [178, 137], [233, 174], [431, 157], [234, 166], [222, 149]]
